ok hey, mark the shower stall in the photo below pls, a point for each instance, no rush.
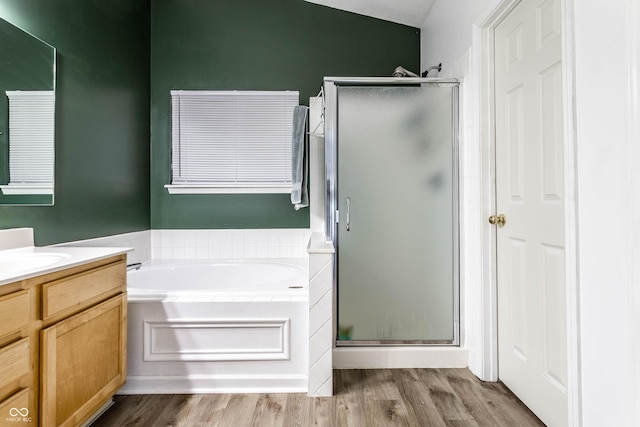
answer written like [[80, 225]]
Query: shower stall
[[391, 148]]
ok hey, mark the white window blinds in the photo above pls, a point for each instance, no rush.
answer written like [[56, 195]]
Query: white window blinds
[[231, 141], [31, 142]]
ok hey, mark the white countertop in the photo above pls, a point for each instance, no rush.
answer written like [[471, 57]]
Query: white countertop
[[71, 257]]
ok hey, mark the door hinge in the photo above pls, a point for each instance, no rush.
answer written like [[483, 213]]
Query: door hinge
[[337, 216]]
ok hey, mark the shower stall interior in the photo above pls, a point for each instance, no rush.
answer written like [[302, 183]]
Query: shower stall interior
[[391, 147]]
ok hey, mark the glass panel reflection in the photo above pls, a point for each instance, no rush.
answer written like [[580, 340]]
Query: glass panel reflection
[[27, 111]]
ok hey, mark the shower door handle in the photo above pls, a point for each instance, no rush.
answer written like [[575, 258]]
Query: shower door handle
[[347, 225]]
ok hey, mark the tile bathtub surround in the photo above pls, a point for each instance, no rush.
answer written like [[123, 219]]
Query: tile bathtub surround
[[206, 244], [320, 316], [229, 244], [139, 241]]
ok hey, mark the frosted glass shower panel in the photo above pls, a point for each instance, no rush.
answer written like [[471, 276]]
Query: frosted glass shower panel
[[397, 212]]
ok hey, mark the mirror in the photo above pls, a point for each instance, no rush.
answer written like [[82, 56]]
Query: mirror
[[27, 111]]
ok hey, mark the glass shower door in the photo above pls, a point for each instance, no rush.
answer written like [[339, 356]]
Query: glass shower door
[[397, 223]]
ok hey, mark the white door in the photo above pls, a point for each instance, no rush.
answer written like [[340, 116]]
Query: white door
[[532, 347]]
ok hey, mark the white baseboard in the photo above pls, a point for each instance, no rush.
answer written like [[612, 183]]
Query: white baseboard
[[399, 357], [203, 384]]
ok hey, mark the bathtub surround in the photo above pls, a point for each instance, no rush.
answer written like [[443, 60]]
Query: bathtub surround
[[206, 244], [229, 244], [321, 325], [241, 244], [198, 327], [139, 241]]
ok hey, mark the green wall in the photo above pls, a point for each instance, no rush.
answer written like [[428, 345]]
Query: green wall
[[109, 90], [102, 117], [254, 45]]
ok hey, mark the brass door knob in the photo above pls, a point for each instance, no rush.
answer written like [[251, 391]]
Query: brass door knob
[[500, 220]]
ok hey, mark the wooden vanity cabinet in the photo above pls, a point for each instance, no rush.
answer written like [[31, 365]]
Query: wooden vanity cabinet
[[83, 342], [74, 338]]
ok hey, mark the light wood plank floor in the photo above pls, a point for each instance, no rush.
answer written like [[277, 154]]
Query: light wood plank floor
[[363, 398]]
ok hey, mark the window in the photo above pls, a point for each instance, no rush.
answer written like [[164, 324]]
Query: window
[[31, 142], [231, 141]]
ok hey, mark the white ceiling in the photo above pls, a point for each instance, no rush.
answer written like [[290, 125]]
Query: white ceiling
[[407, 12]]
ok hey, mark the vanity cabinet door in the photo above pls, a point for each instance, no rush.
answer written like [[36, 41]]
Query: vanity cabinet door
[[83, 362]]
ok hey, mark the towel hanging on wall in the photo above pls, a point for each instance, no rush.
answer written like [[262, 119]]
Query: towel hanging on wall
[[299, 155]]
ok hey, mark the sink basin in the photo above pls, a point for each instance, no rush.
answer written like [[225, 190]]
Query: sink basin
[[17, 262]]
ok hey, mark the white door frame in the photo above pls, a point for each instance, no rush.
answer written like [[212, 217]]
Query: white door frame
[[483, 74], [633, 111]]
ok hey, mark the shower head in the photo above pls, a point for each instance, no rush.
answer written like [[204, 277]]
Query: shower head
[[400, 71], [433, 67]]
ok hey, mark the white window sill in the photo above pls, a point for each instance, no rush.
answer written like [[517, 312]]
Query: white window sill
[[24, 189], [216, 189]]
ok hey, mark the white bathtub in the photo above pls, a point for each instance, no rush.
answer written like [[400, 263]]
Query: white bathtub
[[184, 279], [218, 327]]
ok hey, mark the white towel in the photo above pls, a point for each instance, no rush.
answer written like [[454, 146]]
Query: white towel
[[299, 163]]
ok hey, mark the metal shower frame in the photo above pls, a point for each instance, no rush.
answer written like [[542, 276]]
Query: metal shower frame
[[331, 179]]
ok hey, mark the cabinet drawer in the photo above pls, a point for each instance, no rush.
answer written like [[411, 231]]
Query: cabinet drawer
[[14, 312], [16, 408], [14, 362], [72, 294]]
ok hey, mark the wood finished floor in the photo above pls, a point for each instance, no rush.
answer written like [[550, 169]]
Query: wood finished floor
[[363, 398]]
